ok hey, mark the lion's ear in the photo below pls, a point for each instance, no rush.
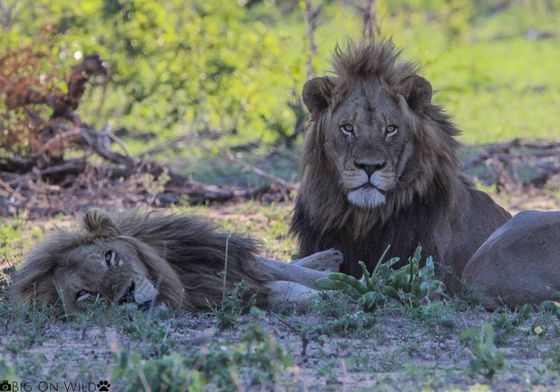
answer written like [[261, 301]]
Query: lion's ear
[[99, 223], [317, 93], [416, 90]]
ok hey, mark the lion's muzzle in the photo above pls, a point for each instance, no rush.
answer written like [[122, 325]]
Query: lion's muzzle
[[368, 189]]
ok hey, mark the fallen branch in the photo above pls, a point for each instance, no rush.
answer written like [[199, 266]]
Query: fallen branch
[[175, 142], [272, 178]]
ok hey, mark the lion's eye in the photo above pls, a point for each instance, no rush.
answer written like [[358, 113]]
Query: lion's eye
[[391, 130], [347, 129], [111, 258]]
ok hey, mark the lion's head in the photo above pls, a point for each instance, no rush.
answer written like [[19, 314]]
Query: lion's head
[[100, 259], [137, 257], [375, 140]]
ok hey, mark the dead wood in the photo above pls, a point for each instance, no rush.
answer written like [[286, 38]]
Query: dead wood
[[27, 177]]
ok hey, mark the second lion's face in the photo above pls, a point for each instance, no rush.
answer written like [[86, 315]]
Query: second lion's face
[[368, 137], [108, 269]]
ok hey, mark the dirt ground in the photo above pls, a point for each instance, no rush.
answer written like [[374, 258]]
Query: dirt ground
[[436, 346]]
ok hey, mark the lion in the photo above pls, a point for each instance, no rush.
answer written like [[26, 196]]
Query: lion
[[519, 263], [380, 168], [174, 260]]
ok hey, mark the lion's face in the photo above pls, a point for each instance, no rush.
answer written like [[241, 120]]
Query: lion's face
[[110, 269], [76, 267], [369, 141]]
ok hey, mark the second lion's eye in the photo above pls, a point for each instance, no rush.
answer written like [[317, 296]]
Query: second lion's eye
[[390, 130], [347, 129], [111, 258]]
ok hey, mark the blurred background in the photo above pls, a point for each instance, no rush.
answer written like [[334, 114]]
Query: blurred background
[[179, 94]]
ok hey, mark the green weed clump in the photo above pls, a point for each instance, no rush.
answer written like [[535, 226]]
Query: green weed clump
[[487, 359], [506, 325], [553, 359], [256, 360], [235, 303], [359, 321], [7, 371], [412, 284]]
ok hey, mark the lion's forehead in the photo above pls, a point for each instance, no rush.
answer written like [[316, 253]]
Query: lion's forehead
[[367, 108], [96, 249]]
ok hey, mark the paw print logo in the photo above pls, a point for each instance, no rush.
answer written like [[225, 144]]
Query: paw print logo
[[103, 386]]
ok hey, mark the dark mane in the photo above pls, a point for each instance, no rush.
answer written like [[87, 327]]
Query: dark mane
[[365, 61], [323, 217]]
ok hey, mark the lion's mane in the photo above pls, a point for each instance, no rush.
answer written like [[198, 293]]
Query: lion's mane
[[431, 187], [184, 255]]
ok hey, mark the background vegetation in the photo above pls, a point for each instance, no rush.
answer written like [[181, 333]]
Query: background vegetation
[[235, 68]]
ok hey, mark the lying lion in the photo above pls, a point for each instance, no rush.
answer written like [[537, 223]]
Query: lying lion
[[381, 168], [519, 263], [176, 260]]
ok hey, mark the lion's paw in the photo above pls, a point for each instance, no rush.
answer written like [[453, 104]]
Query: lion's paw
[[327, 260]]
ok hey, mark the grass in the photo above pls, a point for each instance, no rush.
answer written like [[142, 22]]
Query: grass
[[337, 345]]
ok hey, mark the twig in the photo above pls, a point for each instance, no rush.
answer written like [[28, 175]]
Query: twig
[[178, 140], [370, 26], [311, 16], [225, 270], [6, 187], [274, 179], [302, 334]]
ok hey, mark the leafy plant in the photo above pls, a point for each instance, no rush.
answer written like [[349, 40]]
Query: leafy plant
[[352, 322], [7, 371], [236, 302], [487, 359], [551, 307], [168, 373], [257, 353], [553, 359], [505, 325], [410, 284]]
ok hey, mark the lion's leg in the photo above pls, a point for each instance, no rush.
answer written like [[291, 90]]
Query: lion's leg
[[328, 260], [289, 296], [278, 270]]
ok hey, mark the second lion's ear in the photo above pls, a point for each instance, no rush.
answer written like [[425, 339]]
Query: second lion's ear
[[99, 223], [416, 90], [316, 94]]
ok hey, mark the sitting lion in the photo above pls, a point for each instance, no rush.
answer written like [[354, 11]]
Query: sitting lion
[[176, 260], [380, 168]]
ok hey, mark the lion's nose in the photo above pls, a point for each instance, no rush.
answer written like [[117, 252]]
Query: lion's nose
[[370, 167]]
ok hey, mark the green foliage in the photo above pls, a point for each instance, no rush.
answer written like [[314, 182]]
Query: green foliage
[[237, 67], [551, 307], [435, 314], [150, 330], [553, 359], [257, 353], [505, 324], [29, 323], [410, 284], [7, 371], [10, 233], [168, 373], [352, 322], [487, 359], [235, 303]]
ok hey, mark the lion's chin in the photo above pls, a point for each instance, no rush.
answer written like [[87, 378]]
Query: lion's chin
[[366, 197]]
